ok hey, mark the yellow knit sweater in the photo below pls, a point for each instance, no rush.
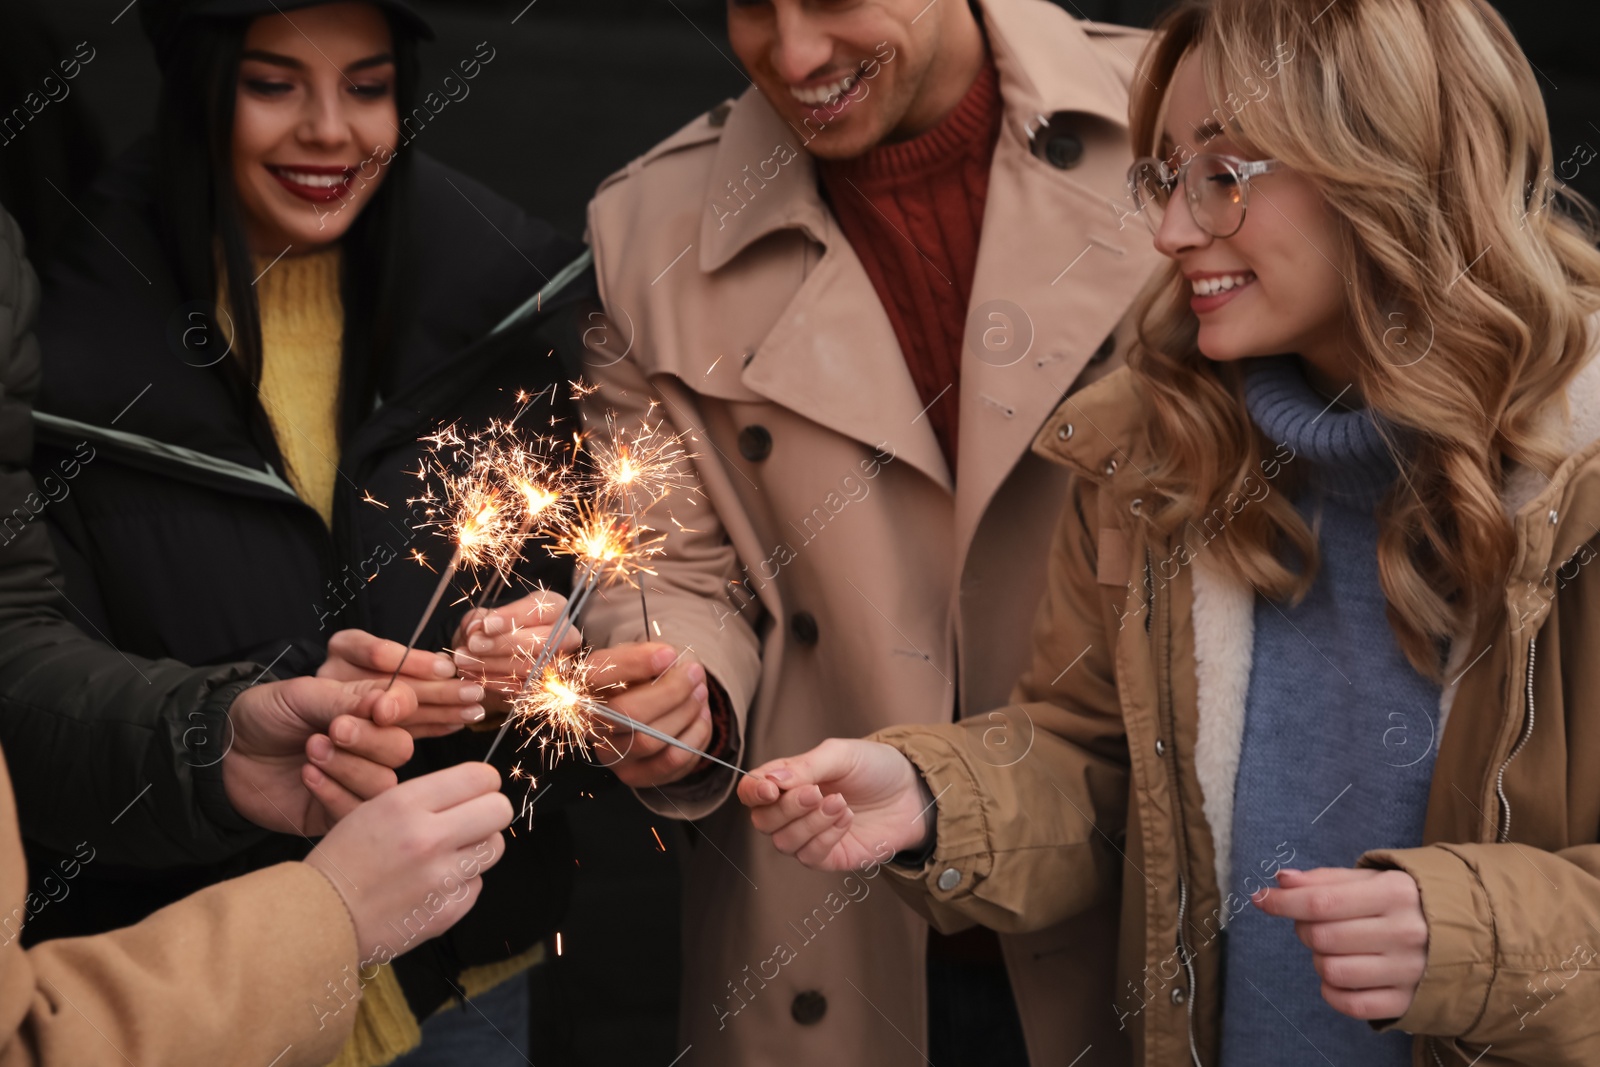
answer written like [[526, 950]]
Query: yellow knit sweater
[[302, 345]]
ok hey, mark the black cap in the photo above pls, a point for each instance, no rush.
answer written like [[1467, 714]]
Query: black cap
[[163, 19]]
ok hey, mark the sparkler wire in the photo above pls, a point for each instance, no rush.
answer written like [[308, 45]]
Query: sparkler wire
[[433, 605]]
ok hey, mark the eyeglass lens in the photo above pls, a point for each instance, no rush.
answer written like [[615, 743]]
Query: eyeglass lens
[[1214, 191]]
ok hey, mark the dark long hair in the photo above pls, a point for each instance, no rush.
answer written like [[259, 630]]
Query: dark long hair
[[200, 220]]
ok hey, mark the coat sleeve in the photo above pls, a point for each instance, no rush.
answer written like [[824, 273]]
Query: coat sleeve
[[1030, 798], [239, 973], [89, 727], [1510, 929], [691, 605]]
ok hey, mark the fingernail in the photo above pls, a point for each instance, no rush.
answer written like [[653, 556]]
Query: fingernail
[[470, 694], [313, 776], [321, 748], [700, 694], [697, 674], [344, 731], [444, 667], [479, 644], [494, 624], [705, 711], [833, 805], [780, 774], [472, 714], [663, 659]]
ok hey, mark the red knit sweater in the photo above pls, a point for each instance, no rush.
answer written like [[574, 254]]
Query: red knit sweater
[[913, 212]]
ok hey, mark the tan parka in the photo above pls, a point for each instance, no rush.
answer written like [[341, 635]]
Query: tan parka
[[240, 974], [1126, 729]]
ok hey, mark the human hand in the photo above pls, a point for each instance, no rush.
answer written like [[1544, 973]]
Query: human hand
[[659, 686], [1366, 931], [495, 648], [305, 751], [445, 703], [835, 807], [422, 845]]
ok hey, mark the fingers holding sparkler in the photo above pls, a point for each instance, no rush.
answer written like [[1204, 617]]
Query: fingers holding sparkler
[[664, 689], [561, 712], [444, 702], [497, 648]]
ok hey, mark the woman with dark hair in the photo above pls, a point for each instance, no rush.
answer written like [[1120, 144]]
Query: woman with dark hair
[[278, 296]]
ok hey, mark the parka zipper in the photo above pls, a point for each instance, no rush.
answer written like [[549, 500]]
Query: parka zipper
[[1527, 732], [1504, 833], [1183, 885], [1188, 964]]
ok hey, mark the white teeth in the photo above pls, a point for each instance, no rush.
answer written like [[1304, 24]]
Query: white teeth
[[826, 93], [315, 181], [1212, 286]]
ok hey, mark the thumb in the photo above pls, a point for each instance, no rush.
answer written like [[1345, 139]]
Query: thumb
[[384, 704], [1322, 876], [829, 761], [318, 701]]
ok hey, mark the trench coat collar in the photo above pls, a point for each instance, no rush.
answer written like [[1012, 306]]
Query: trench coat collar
[[763, 181], [1037, 78]]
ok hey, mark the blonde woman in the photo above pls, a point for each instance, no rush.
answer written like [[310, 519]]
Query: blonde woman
[[1310, 689]]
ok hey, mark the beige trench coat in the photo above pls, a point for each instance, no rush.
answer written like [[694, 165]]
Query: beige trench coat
[[835, 576]]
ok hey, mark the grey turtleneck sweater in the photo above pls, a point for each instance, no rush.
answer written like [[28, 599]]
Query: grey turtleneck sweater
[[1339, 734]]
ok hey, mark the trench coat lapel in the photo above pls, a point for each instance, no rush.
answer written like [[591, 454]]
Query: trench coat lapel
[[1054, 269], [832, 355]]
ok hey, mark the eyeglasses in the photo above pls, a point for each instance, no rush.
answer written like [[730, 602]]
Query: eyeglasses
[[1217, 189]]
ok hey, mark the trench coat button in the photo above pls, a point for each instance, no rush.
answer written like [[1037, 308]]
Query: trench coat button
[[803, 625], [949, 878], [755, 443], [809, 1007], [1055, 143], [1161, 747], [1063, 150], [1111, 467], [1554, 515], [1178, 995], [1136, 505], [1064, 432], [1103, 353]]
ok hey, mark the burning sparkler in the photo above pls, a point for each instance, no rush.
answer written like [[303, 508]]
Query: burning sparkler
[[488, 485], [560, 711], [644, 463], [607, 550]]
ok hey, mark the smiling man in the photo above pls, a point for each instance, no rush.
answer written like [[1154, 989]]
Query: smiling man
[[858, 290]]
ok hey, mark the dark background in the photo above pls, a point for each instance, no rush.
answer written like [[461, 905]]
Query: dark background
[[577, 88]]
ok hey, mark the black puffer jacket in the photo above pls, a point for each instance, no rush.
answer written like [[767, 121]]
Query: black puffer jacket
[[180, 537], [88, 730]]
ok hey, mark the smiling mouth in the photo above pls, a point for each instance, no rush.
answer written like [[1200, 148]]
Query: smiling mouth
[[1223, 284], [319, 184], [830, 93]]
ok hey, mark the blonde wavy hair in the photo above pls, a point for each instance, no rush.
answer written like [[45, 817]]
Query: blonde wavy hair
[[1421, 124]]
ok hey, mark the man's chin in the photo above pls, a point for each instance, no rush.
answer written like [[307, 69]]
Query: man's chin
[[841, 144]]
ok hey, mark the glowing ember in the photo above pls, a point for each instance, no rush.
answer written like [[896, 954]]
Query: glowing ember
[[607, 544], [638, 467], [555, 709]]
